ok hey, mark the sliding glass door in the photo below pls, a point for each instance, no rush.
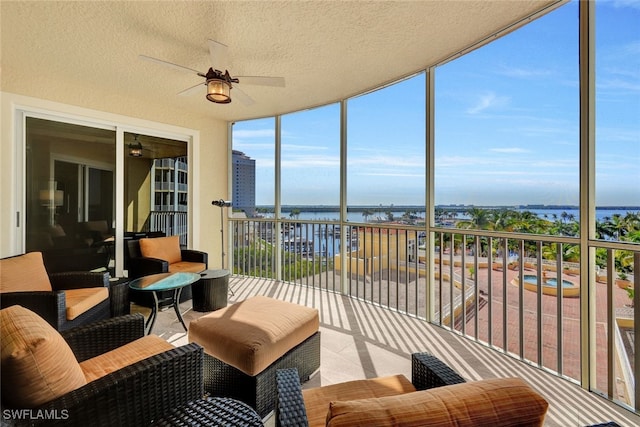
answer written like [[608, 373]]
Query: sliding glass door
[[70, 191], [69, 194]]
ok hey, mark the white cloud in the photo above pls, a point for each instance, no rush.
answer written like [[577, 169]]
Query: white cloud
[[509, 150], [488, 101], [387, 161], [633, 4], [394, 174], [302, 147], [310, 162], [524, 73]]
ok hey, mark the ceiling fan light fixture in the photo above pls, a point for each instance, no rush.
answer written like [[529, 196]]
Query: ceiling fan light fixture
[[218, 91], [135, 150]]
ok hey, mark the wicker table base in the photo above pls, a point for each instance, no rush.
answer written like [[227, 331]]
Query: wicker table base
[[217, 411]]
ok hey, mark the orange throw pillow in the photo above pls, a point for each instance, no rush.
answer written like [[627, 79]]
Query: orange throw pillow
[[37, 363], [502, 402]]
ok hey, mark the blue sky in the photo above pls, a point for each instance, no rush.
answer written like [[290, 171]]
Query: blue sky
[[506, 126]]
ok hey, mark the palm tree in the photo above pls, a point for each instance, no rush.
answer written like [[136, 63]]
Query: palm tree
[[501, 220], [295, 213], [478, 218], [618, 225], [366, 213]]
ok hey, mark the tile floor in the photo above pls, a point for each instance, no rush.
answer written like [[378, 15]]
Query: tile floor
[[359, 340]]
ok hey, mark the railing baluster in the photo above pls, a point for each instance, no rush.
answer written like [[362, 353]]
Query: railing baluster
[[381, 269], [490, 293], [559, 323], [505, 267]]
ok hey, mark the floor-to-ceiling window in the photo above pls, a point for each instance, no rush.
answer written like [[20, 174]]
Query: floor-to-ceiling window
[[617, 194], [507, 159], [512, 171], [310, 162], [386, 153], [253, 176]]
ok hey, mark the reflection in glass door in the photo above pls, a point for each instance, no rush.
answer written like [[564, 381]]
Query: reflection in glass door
[[156, 190], [69, 194]]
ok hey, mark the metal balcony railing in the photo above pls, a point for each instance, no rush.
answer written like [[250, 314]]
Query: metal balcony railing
[[527, 296], [171, 222]]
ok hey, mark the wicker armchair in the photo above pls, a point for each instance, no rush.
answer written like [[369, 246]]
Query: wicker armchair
[[139, 266], [132, 396], [427, 372], [51, 304], [436, 397]]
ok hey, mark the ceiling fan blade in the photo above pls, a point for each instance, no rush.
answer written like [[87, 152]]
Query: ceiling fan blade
[[237, 93], [191, 90], [219, 55], [261, 80], [171, 65]]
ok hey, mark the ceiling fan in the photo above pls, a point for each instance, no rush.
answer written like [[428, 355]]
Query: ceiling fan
[[218, 83]]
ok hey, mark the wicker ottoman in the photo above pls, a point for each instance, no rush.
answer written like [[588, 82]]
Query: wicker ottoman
[[245, 343]]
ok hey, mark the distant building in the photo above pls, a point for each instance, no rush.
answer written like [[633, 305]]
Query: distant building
[[169, 197], [169, 184], [244, 183]]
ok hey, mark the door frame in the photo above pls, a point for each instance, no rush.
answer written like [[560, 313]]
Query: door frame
[[120, 124]]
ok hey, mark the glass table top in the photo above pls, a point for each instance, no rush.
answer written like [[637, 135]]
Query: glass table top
[[164, 281]]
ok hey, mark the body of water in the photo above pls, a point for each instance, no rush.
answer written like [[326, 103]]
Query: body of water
[[542, 213], [324, 241]]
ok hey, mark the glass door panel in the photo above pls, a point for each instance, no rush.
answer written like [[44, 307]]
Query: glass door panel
[[69, 194], [156, 187]]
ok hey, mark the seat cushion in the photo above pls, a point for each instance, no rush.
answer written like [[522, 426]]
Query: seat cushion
[[317, 399], [126, 355], [498, 402], [37, 363], [252, 334], [166, 248], [24, 273], [81, 300], [187, 267]]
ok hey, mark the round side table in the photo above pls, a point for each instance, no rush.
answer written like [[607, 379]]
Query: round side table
[[216, 411], [211, 291]]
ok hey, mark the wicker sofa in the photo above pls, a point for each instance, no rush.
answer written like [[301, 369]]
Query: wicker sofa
[[436, 396], [133, 395]]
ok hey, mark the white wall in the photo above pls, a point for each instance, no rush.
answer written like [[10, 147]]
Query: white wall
[[207, 147]]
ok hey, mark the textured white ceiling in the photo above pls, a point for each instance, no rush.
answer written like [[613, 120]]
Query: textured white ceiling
[[325, 50]]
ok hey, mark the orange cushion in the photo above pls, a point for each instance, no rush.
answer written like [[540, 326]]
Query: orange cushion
[[254, 333], [165, 248], [126, 355], [37, 363], [24, 273], [187, 267], [317, 399], [498, 402], [79, 301]]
